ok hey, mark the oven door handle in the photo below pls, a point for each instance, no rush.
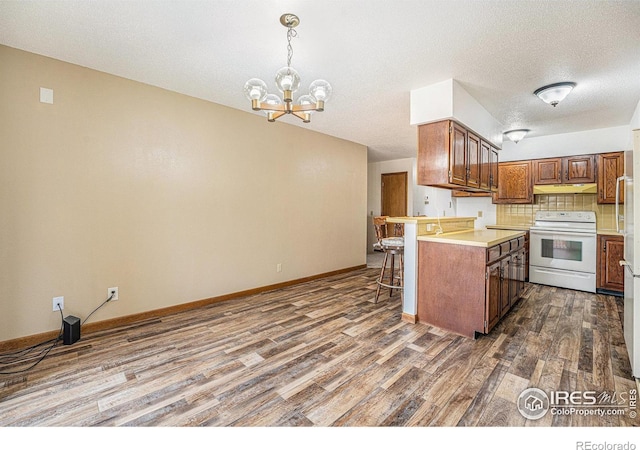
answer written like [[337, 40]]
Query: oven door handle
[[565, 233]]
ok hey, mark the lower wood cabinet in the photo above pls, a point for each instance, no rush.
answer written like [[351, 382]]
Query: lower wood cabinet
[[610, 276], [610, 167], [493, 294], [468, 289], [506, 286]]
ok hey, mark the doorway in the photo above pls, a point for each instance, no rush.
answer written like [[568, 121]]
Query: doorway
[[394, 194]]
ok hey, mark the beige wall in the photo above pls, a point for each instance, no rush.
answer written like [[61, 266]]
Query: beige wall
[[170, 198]]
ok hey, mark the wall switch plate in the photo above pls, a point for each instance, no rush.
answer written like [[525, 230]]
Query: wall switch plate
[[111, 291], [58, 301], [279, 267]]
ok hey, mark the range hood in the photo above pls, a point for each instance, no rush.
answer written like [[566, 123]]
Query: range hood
[[586, 188]]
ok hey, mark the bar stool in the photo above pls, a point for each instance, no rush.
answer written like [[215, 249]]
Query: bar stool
[[392, 246]]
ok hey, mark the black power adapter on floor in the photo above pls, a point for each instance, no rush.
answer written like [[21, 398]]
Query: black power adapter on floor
[[71, 330]]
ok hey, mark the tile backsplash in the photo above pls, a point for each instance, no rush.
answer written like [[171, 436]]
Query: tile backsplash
[[523, 215]]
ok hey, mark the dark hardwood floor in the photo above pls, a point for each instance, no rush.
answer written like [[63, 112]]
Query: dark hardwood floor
[[323, 354]]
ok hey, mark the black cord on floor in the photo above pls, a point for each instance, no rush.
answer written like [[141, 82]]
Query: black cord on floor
[[17, 357]]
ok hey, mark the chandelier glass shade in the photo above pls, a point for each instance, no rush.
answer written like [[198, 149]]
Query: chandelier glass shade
[[287, 81]]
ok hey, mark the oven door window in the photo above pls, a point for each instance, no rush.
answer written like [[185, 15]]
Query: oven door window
[[561, 249]]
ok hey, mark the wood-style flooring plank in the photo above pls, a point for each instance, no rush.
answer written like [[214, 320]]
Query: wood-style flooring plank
[[322, 353]]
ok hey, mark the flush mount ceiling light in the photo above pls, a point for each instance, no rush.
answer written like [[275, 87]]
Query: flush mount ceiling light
[[516, 135], [288, 81], [554, 93]]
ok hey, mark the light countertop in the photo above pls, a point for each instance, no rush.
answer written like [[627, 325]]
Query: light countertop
[[427, 219], [476, 238], [509, 227], [610, 232], [527, 227]]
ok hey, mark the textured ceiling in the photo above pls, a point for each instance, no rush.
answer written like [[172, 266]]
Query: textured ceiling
[[373, 52]]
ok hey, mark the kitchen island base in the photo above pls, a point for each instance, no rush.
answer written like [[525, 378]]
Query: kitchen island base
[[467, 289]]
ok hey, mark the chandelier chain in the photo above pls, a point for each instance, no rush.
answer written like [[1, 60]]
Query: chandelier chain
[[291, 33]]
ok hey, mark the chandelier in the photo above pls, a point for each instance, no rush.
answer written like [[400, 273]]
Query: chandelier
[[288, 82]]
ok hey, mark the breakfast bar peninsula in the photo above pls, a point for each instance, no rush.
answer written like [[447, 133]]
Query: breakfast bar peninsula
[[459, 278]]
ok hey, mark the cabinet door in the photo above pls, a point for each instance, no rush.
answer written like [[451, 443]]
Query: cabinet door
[[458, 155], [505, 285], [610, 272], [492, 298], [485, 166], [473, 160], [610, 167], [514, 183], [514, 284], [547, 171], [579, 169], [494, 170], [518, 262]]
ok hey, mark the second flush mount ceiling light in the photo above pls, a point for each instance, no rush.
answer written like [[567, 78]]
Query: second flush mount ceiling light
[[516, 135]]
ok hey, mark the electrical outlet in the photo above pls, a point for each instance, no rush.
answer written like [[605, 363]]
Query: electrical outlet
[[279, 267], [58, 301], [479, 213], [112, 291]]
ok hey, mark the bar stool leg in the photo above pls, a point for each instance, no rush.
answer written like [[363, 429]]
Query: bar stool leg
[[402, 276], [392, 273], [381, 277]]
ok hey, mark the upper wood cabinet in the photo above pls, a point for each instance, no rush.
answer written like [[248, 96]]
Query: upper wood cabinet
[[570, 169], [488, 167], [473, 161], [579, 169], [610, 167], [454, 157], [458, 152], [515, 183], [515, 186], [493, 180], [547, 171]]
